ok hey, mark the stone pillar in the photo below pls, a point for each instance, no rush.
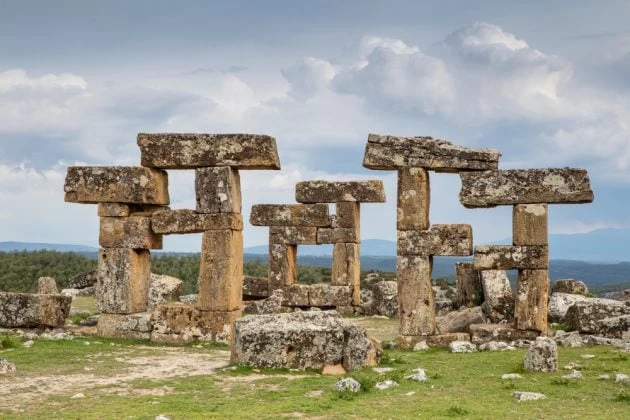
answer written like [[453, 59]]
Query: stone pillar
[[123, 280], [413, 199], [346, 269], [282, 265], [415, 295], [468, 284]]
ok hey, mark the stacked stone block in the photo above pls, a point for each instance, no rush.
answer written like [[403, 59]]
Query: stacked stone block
[[309, 223], [529, 192], [418, 241]]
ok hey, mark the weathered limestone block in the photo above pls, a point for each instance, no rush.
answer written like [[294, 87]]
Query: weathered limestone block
[[542, 356], [347, 215], [169, 222], [506, 257], [346, 268], [255, 287], [291, 235], [186, 151], [25, 310], [221, 270], [525, 186], [453, 240], [282, 266], [414, 196], [415, 295], [126, 210], [386, 298], [162, 288], [439, 340], [116, 184], [83, 280], [123, 280], [615, 327], [296, 295], [484, 333], [338, 235], [390, 153], [301, 340], [185, 323], [584, 316], [270, 305], [559, 304], [218, 190], [324, 295], [529, 224], [572, 286], [136, 326], [128, 232], [468, 283], [530, 309], [459, 321], [47, 286], [498, 302], [334, 191], [297, 215]]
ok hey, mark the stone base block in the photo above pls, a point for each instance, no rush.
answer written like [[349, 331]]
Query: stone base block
[[442, 340], [123, 280], [483, 333], [185, 323], [25, 310], [137, 326], [319, 295]]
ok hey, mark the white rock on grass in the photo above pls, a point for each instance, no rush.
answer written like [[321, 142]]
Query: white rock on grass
[[588, 356], [462, 347], [162, 417], [6, 366], [511, 376], [527, 396], [496, 346], [421, 346], [77, 396], [575, 374], [347, 384], [418, 376], [28, 344], [603, 377], [623, 378], [381, 386], [383, 370]]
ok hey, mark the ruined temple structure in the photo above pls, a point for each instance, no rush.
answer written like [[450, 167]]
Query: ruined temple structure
[[132, 205], [483, 185], [309, 223]]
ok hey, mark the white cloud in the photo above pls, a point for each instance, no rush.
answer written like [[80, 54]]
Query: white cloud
[[308, 76]]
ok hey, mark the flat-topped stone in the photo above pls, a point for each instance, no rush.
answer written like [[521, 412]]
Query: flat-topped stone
[[170, 222], [25, 310], [289, 215], [508, 257], [128, 232], [371, 191], [445, 240], [187, 151], [525, 186], [116, 184], [391, 153]]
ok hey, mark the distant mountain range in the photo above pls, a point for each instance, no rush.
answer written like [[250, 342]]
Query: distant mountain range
[[29, 246]]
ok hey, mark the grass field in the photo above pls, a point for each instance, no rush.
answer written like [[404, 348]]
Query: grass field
[[99, 378]]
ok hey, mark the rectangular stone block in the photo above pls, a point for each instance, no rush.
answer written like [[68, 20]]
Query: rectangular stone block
[[128, 232], [186, 323], [25, 310], [282, 266], [347, 214], [291, 235], [116, 184], [336, 191], [506, 257], [443, 240], [338, 235], [136, 326], [346, 269], [325, 295], [468, 284], [221, 271], [218, 190], [296, 295], [297, 215], [529, 224], [532, 296], [414, 196], [484, 333], [170, 222], [123, 280], [255, 287], [415, 295], [392, 153], [126, 210], [186, 151], [525, 186]]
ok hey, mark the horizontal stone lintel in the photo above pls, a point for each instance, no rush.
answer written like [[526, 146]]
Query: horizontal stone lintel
[[291, 235], [319, 295], [338, 235], [440, 240], [128, 232], [509, 257], [168, 222], [298, 215], [525, 186], [391, 153], [127, 210], [371, 191]]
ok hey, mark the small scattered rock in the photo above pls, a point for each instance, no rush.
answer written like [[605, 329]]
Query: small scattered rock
[[383, 370], [511, 376], [588, 356], [603, 377], [333, 370], [315, 394], [623, 378], [542, 356], [527, 396], [575, 374], [572, 339], [496, 346], [410, 394], [348, 384], [462, 347], [77, 396], [572, 366], [162, 417], [418, 376], [6, 366], [28, 344], [421, 346], [386, 385]]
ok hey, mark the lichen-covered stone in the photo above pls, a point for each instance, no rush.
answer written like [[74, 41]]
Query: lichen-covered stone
[[385, 299], [162, 288], [168, 222], [498, 302], [542, 356], [525, 186], [415, 295], [186, 323], [116, 184], [616, 326], [297, 215], [455, 240], [128, 232], [301, 340], [137, 326], [559, 304], [459, 321], [47, 286], [83, 280], [218, 190], [414, 196], [270, 305], [529, 224], [325, 295], [584, 316], [468, 284], [532, 295], [291, 235], [347, 215], [187, 151], [506, 257], [484, 333], [282, 265], [25, 310], [391, 153], [296, 295], [338, 235], [255, 287], [572, 286], [8, 367], [337, 191], [437, 340], [123, 280], [126, 210]]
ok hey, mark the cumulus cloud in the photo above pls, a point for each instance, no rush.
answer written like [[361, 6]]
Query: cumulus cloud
[[308, 76]]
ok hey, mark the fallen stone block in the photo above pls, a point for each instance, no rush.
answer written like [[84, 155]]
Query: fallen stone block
[[584, 316], [391, 153], [527, 396], [184, 323], [136, 326], [297, 215], [468, 284], [443, 240], [47, 286], [462, 347], [571, 286], [187, 151], [498, 302], [337, 191], [459, 321], [444, 340], [506, 257], [484, 333], [218, 190], [270, 305], [123, 280], [6, 367], [559, 304], [616, 327], [162, 288], [116, 184], [170, 222], [542, 356], [385, 298], [128, 232], [525, 186], [25, 310], [83, 280]]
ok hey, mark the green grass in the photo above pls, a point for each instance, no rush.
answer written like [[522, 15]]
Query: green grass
[[459, 385]]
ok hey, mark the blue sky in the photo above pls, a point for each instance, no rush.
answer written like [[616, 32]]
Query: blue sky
[[547, 83]]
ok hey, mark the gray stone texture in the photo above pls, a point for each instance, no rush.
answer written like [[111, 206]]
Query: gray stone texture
[[443, 240], [338, 191], [128, 232], [170, 222], [542, 356], [24, 310], [468, 284], [498, 302], [163, 288], [123, 280], [459, 321], [584, 316], [506, 257], [47, 286], [572, 286], [297, 215], [218, 190]]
